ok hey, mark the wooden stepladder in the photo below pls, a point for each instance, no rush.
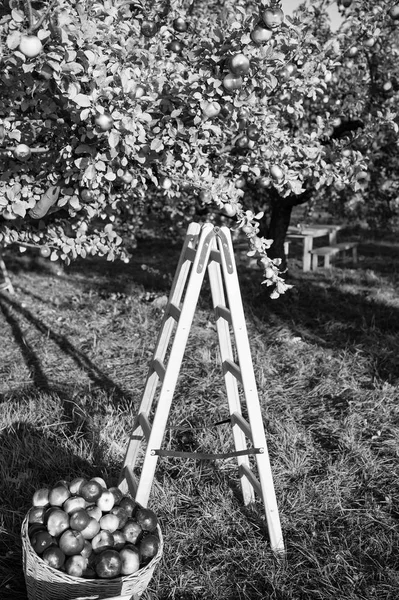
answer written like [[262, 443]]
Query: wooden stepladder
[[205, 248]]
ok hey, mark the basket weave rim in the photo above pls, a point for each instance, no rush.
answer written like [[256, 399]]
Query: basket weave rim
[[27, 547]]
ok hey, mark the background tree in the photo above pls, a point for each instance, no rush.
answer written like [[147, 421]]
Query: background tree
[[114, 111]]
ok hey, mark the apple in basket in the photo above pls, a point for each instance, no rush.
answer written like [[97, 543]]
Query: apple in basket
[[88, 530]]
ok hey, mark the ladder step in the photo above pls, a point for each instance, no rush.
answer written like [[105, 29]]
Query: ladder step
[[230, 367], [224, 313], [159, 368], [174, 311], [215, 255], [145, 425], [245, 470], [190, 254], [237, 419], [130, 480]]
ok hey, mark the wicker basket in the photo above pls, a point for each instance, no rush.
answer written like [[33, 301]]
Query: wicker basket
[[45, 583]]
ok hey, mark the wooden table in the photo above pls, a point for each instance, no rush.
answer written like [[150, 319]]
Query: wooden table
[[308, 233]]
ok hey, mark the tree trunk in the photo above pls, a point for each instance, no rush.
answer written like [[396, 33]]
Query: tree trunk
[[276, 229]]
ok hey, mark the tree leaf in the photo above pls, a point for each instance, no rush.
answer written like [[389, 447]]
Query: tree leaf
[[82, 100]]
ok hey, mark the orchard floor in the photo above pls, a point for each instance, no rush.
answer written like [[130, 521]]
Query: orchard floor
[[75, 344]]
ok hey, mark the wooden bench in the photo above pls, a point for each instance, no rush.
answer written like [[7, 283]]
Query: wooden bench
[[327, 252]]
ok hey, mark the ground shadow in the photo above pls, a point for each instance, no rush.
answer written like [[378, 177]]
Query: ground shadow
[[31, 457], [10, 307]]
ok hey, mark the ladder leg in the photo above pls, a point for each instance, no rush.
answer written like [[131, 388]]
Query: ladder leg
[[218, 298], [252, 400], [172, 371], [126, 479]]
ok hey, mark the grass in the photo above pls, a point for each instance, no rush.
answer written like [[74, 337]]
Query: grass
[[74, 352]]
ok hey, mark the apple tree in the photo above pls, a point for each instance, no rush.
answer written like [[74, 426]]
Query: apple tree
[[113, 112]]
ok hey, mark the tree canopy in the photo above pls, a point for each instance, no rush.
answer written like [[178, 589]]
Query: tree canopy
[[114, 110]]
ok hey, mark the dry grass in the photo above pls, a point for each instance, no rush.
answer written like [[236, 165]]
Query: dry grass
[[75, 346]]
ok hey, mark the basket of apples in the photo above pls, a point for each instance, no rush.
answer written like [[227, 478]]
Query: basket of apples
[[82, 540]]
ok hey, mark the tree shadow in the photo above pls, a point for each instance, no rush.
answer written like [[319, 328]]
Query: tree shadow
[[334, 313], [151, 267], [10, 307]]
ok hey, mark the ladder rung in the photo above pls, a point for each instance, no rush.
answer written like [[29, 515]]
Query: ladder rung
[[222, 311], [190, 254], [239, 420], [174, 312], [131, 480], [245, 470], [215, 255], [159, 368], [231, 367], [145, 425]]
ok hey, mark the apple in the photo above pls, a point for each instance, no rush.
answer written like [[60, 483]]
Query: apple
[[394, 12], [121, 513], [132, 531], [253, 132], [74, 503], [91, 490], [22, 152], [87, 549], [288, 71], [119, 539], [264, 182], [74, 485], [127, 177], [353, 50], [41, 540], [239, 64], [211, 109], [30, 46], [57, 522], [239, 183], [109, 522], [276, 173], [180, 25], [41, 497], [260, 34], [45, 251], [106, 500], [91, 529], [232, 82], [102, 541], [58, 495], [242, 141], [34, 528], [71, 542], [175, 46], [229, 210], [99, 480], [79, 519], [75, 565], [54, 557], [108, 564], [273, 17], [117, 493], [166, 184], [149, 28], [148, 548], [205, 197], [369, 42], [147, 519], [94, 511], [104, 121], [130, 558]]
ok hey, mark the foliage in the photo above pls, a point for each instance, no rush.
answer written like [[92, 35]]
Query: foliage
[[122, 120]]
